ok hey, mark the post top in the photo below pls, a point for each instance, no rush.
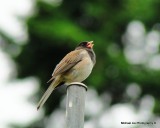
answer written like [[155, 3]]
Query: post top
[[78, 84]]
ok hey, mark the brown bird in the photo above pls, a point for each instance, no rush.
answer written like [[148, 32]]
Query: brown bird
[[76, 66]]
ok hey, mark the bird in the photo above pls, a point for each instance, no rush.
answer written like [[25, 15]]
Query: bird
[[76, 66]]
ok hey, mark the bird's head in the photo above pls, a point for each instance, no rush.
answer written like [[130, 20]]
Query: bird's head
[[86, 44]]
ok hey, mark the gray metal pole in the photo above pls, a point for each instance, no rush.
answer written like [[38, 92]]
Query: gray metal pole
[[75, 104]]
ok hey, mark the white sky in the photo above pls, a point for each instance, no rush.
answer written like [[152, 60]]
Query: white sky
[[14, 106], [14, 95], [142, 47], [10, 17]]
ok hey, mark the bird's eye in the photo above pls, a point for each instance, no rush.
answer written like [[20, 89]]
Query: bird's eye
[[84, 43]]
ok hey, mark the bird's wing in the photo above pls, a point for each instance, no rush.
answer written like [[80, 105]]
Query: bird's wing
[[70, 60]]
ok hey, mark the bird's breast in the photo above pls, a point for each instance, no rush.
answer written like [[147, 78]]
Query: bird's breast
[[80, 71]]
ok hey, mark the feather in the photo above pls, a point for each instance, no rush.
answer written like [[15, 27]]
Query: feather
[[48, 92]]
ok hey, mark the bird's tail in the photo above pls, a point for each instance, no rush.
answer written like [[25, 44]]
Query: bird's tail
[[48, 93]]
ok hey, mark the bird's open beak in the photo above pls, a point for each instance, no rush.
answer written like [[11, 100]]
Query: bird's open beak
[[90, 44]]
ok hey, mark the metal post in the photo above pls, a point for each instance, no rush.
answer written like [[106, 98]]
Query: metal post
[[75, 104]]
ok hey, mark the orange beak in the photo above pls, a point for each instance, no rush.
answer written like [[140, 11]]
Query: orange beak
[[90, 44]]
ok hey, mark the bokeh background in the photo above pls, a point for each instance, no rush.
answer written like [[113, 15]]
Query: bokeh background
[[125, 83]]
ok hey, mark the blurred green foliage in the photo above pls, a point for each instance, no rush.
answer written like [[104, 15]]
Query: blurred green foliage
[[56, 29]]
